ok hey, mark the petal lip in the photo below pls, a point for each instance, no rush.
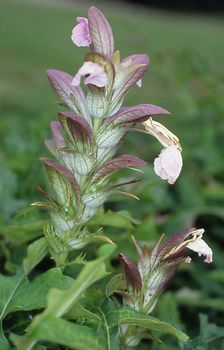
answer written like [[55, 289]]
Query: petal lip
[[168, 164], [93, 73], [201, 247], [80, 33]]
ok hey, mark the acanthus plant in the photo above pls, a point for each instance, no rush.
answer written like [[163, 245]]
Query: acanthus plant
[[87, 137], [84, 146]]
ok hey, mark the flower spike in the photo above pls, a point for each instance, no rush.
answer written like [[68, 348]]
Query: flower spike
[[155, 268]]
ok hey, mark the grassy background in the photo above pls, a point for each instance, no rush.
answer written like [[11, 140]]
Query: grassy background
[[185, 77]]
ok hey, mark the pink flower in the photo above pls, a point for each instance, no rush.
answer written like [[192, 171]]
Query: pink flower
[[80, 33], [93, 73], [169, 163]]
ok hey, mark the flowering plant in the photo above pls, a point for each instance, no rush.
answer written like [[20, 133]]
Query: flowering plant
[[84, 147]]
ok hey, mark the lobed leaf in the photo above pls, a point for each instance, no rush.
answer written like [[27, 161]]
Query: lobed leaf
[[129, 316], [78, 311], [4, 344], [36, 251], [209, 332], [60, 302], [26, 225], [17, 293], [58, 331]]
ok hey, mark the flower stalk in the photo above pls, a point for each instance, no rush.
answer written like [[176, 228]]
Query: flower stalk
[[86, 138], [84, 154]]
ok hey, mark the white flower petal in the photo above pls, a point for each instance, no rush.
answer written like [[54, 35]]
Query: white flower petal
[[201, 248], [169, 164]]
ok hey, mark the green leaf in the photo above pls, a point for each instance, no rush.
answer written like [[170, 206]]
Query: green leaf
[[208, 333], [116, 283], [59, 331], [4, 344], [186, 296], [131, 317], [113, 219], [60, 302], [80, 312], [168, 309], [9, 288], [8, 189], [17, 293], [106, 249], [35, 253], [24, 226]]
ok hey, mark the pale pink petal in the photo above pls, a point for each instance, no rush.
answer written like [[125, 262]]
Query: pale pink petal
[[76, 80], [169, 164], [201, 248], [93, 73], [159, 170], [80, 33], [172, 161]]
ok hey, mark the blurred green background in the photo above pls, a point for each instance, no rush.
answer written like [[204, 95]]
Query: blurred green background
[[185, 76]]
